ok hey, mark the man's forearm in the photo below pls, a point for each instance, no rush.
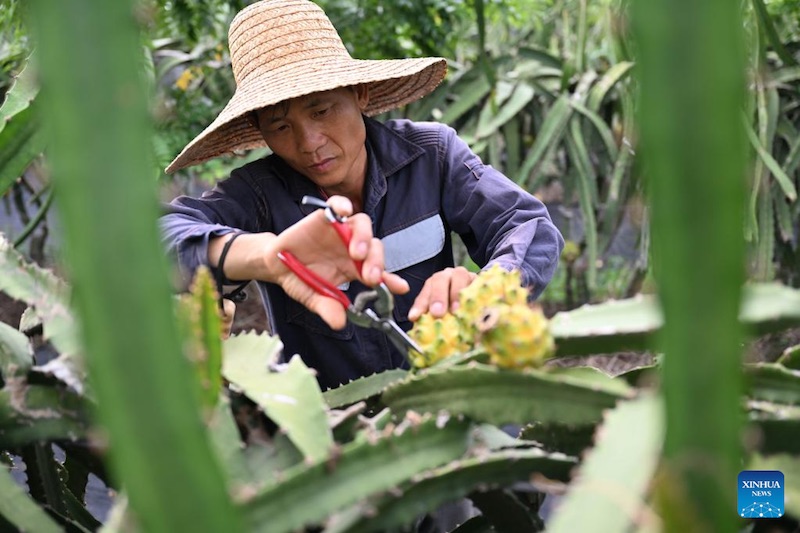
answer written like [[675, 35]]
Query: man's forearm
[[251, 256]]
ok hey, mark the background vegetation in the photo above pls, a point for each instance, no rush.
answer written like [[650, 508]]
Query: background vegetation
[[553, 92]]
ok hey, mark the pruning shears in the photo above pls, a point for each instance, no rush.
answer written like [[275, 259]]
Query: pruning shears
[[372, 308]]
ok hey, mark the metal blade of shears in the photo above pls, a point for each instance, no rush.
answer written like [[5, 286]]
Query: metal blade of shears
[[399, 338]]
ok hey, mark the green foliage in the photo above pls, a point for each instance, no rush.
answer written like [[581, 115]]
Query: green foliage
[[386, 30], [192, 20], [388, 448], [14, 41], [503, 467]]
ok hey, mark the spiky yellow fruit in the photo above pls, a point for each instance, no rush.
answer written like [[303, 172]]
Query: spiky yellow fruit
[[493, 312], [438, 338], [516, 336], [492, 287]]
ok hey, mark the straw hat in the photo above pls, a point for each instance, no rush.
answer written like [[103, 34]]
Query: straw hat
[[282, 49]]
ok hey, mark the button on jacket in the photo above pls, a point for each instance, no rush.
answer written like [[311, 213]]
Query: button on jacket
[[422, 184]]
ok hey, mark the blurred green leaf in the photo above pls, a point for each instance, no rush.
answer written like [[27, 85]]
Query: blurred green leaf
[[520, 97], [108, 215], [21, 141], [786, 183], [549, 134]]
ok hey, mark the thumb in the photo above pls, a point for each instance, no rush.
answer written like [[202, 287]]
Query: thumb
[[329, 310]]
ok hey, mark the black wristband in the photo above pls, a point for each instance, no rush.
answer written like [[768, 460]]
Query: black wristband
[[220, 271]]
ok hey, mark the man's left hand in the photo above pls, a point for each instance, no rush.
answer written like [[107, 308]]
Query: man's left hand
[[440, 292]]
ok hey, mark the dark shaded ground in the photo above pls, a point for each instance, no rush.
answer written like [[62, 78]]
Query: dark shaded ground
[[10, 310]]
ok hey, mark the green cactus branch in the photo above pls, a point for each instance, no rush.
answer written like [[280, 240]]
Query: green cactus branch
[[45, 292], [772, 382], [607, 327], [362, 388], [608, 491], [630, 324], [227, 444], [44, 476], [20, 510], [21, 139], [455, 480], [199, 318], [307, 494], [790, 358], [488, 394]]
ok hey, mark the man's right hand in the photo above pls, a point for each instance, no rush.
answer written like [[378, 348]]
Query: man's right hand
[[315, 243]]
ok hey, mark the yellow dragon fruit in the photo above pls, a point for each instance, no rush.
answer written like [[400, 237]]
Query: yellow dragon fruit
[[438, 338], [515, 336], [493, 312]]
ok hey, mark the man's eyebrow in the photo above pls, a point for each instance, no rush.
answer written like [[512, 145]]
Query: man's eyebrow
[[273, 119], [310, 102], [315, 101]]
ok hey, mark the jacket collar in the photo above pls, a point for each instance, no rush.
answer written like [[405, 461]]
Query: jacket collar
[[387, 153]]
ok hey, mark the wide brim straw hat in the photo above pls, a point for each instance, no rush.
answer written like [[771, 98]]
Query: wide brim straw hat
[[283, 49]]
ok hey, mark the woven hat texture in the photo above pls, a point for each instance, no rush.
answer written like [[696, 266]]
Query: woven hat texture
[[283, 49]]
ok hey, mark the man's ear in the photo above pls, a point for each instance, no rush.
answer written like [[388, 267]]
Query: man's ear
[[362, 95]]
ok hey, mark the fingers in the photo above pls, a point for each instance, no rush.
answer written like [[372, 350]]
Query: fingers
[[320, 249], [396, 284], [341, 205], [372, 270], [329, 310], [227, 315], [362, 244], [461, 279], [360, 227], [440, 293]]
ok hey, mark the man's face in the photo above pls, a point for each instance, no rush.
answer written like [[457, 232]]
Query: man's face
[[321, 136]]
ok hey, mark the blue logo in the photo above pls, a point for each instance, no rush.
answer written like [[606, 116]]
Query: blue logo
[[760, 494]]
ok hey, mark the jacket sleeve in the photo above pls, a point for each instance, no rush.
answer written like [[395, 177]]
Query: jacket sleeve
[[498, 221], [190, 223]]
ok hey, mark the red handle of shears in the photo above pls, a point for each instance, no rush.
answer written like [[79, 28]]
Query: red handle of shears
[[345, 233], [311, 279]]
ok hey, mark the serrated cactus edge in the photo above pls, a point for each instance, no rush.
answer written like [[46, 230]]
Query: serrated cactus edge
[[309, 493], [489, 394]]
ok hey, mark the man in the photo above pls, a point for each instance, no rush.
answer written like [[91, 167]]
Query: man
[[301, 94]]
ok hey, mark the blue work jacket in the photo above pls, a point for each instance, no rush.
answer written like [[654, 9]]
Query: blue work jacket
[[423, 183]]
